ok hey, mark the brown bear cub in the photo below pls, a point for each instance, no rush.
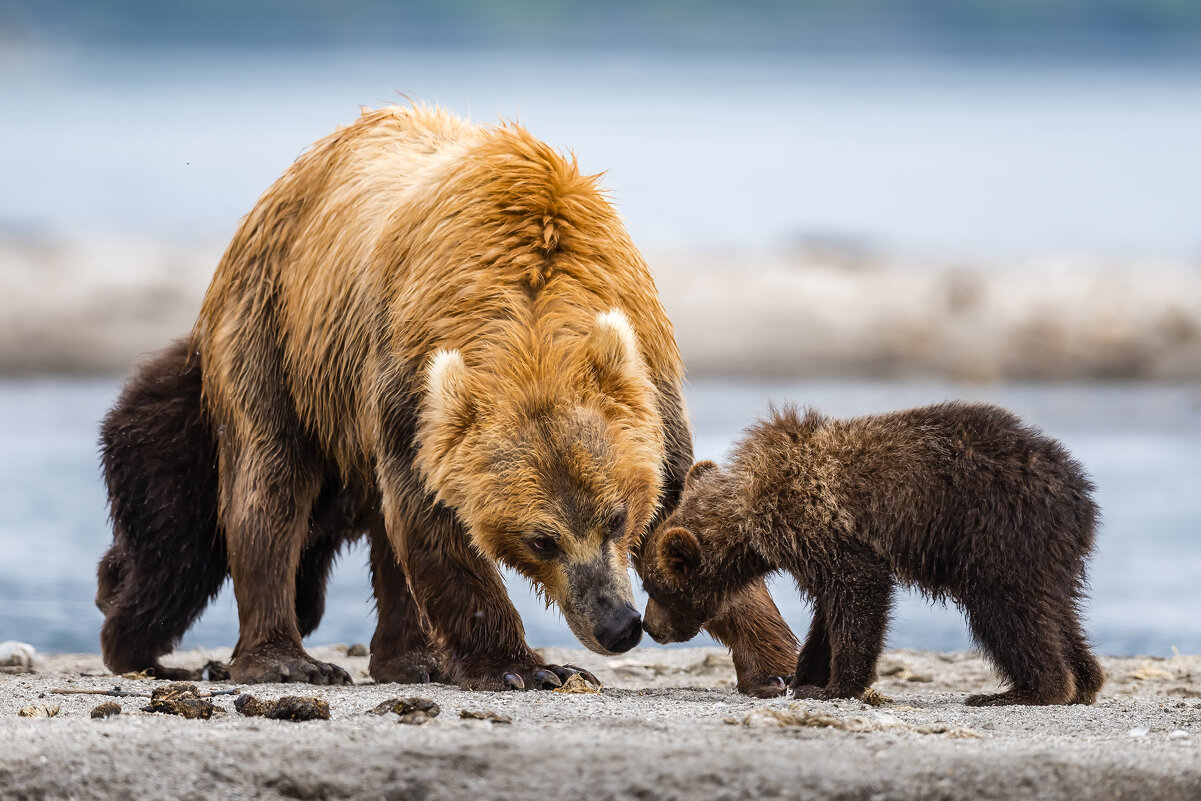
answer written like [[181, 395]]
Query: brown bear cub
[[961, 500]]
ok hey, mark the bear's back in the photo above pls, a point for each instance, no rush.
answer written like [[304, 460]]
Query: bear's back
[[407, 231]]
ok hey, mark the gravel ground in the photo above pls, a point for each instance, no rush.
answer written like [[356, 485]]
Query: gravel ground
[[667, 725]]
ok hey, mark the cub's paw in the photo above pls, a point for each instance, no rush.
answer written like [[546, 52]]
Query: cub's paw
[[414, 667], [294, 668], [763, 686], [522, 677]]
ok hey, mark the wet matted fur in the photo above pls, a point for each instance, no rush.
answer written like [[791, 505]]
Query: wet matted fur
[[446, 323], [961, 500]]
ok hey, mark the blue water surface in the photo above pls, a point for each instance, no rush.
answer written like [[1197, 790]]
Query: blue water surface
[[1141, 443]]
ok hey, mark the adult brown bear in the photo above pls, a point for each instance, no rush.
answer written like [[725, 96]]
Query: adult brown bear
[[438, 334]]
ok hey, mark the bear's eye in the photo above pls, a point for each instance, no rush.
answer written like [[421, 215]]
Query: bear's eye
[[543, 545], [617, 522]]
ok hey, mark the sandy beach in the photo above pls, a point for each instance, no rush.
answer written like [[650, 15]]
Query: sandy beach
[[667, 725]]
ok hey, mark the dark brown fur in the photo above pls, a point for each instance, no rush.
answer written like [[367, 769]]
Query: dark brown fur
[[167, 560], [961, 500], [439, 333]]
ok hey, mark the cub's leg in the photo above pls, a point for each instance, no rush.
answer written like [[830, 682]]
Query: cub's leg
[[1089, 675], [750, 625], [759, 640], [167, 561], [854, 601], [268, 497], [402, 649], [813, 664], [1019, 630]]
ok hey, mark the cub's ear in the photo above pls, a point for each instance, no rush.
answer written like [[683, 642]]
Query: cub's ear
[[678, 554], [697, 470], [449, 406], [613, 355]]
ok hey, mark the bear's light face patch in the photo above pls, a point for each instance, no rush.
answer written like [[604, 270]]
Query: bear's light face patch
[[558, 474]]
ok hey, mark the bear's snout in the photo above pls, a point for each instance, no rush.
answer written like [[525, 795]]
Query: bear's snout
[[621, 631]]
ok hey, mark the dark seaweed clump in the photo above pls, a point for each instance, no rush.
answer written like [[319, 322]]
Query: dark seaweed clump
[[414, 711], [289, 707]]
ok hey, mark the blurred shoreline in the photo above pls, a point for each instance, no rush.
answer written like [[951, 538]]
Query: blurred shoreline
[[97, 304]]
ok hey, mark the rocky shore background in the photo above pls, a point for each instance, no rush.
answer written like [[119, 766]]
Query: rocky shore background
[[96, 304]]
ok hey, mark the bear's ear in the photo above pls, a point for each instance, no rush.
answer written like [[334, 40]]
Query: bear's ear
[[697, 470], [612, 349], [449, 405], [678, 554]]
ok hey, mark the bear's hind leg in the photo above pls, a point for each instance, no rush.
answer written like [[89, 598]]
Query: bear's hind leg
[[311, 577], [1089, 675], [1019, 631], [402, 650]]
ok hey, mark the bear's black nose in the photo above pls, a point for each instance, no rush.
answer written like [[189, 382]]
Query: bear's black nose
[[621, 631]]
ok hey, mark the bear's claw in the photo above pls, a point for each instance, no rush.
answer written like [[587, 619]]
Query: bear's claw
[[564, 672], [523, 677], [547, 677]]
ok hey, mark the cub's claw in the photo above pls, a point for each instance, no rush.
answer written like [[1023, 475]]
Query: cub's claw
[[515, 681]]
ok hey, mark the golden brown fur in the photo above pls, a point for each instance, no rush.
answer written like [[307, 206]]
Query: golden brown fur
[[449, 324]]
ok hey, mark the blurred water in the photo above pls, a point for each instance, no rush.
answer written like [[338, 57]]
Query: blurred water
[[1142, 445], [721, 150]]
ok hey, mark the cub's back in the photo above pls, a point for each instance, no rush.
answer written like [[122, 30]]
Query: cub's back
[[983, 494]]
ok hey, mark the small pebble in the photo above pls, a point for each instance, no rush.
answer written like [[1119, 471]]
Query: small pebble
[[106, 710], [495, 717], [17, 657], [288, 707], [413, 711], [42, 710], [358, 649]]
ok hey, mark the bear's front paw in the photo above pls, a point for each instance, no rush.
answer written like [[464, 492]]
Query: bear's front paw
[[414, 667], [521, 677], [274, 667]]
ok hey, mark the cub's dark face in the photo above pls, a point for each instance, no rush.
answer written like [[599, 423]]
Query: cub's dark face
[[676, 577]]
